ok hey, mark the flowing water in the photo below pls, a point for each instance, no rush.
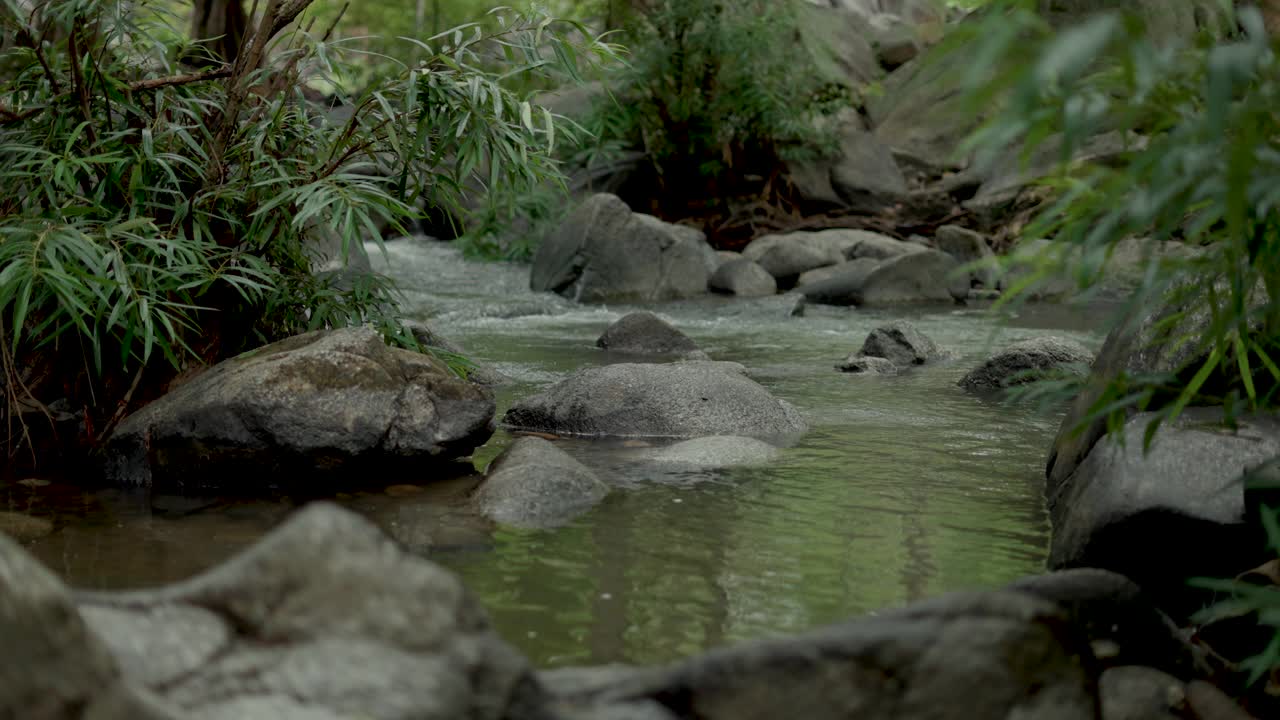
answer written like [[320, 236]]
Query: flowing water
[[905, 487]]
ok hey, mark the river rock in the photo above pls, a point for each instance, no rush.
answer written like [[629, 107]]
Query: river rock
[[925, 276], [684, 399], [863, 365], [1174, 512], [743, 278], [322, 401], [832, 244], [840, 284], [603, 252], [534, 484], [643, 333], [786, 261], [819, 274], [880, 247], [1026, 361], [1134, 692], [967, 246], [1124, 624], [325, 617], [21, 526], [717, 451], [959, 657], [901, 343]]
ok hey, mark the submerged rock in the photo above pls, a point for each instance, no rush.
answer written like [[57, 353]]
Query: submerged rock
[[684, 399], [744, 278], [322, 401], [717, 451], [1026, 361], [535, 484], [862, 365], [643, 333], [901, 343], [604, 252]]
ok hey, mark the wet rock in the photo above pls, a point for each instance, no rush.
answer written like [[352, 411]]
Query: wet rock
[[603, 252], [959, 657], [717, 451], [1161, 517], [862, 365], [881, 247], [744, 278], [817, 275], [1133, 692], [318, 402], [332, 620], [967, 246], [184, 637], [901, 343], [1123, 624], [643, 333], [684, 399], [23, 527], [1026, 361], [786, 261], [51, 666], [841, 284], [925, 276], [534, 484]]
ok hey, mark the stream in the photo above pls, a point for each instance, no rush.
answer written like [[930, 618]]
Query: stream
[[905, 487]]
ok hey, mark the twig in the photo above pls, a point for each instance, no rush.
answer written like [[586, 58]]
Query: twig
[[124, 404]]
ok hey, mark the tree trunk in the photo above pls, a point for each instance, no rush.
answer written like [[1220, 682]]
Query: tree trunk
[[220, 25]]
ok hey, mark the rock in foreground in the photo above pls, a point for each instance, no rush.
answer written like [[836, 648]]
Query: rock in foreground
[[1026, 361], [604, 252], [684, 399], [323, 401], [535, 484], [324, 618], [643, 333]]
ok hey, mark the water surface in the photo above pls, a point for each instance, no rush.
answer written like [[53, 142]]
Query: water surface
[[906, 487]]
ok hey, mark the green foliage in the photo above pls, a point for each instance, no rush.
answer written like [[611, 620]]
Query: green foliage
[[152, 211], [716, 93]]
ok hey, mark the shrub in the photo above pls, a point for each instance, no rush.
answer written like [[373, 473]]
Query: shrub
[[155, 212]]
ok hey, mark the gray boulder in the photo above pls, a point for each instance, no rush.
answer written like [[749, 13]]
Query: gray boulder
[[864, 365], [832, 244], [900, 343], [603, 252], [1026, 361], [643, 333], [918, 277], [534, 484], [1134, 692], [322, 401], [1170, 513], [993, 655], [880, 247], [967, 246], [326, 617], [862, 175], [716, 451], [786, 261], [817, 275], [743, 278], [685, 399], [841, 284], [836, 39]]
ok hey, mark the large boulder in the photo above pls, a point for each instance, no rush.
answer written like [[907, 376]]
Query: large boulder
[[862, 175], [832, 244], [967, 247], [685, 399], [838, 284], [836, 39], [323, 401], [326, 617], [881, 247], [1163, 514], [534, 484], [920, 276], [901, 343], [743, 278], [643, 333], [1026, 361], [785, 262], [997, 655], [603, 252]]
